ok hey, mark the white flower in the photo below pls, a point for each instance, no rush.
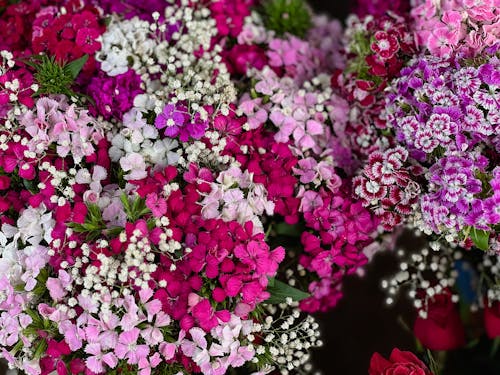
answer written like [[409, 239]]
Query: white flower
[[135, 165]]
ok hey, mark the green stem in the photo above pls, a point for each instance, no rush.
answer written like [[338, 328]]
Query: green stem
[[436, 364], [494, 347]]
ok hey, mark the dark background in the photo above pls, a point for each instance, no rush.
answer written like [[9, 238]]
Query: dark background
[[362, 323]]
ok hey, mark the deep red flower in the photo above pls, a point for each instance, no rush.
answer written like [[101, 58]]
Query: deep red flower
[[399, 363], [443, 329]]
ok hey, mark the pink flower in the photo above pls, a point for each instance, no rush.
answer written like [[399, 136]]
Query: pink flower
[[96, 361], [385, 45], [14, 158], [53, 360], [157, 205], [233, 286], [205, 315], [56, 286], [127, 347], [310, 201], [147, 364], [322, 263]]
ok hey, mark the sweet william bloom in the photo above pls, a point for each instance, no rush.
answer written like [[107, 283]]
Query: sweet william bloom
[[15, 158], [56, 286], [128, 348], [242, 57], [157, 205], [171, 119], [443, 329], [86, 39], [97, 360], [53, 360], [399, 363], [135, 165], [206, 316]]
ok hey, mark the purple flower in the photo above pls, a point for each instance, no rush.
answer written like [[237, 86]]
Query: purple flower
[[194, 129], [172, 120], [114, 96], [492, 210]]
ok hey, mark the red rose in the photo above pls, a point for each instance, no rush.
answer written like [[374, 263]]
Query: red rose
[[443, 329], [492, 319], [399, 363]]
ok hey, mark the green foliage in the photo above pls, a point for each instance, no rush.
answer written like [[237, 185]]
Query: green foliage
[[284, 229], [38, 325], [136, 209], [481, 238], [361, 48], [287, 16], [41, 285], [94, 224], [95, 227], [280, 291], [56, 78]]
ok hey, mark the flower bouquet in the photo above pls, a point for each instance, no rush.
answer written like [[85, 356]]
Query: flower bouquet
[[184, 182]]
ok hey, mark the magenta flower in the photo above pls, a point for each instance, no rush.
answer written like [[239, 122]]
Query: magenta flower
[[157, 205], [206, 316], [172, 120], [86, 39], [14, 158]]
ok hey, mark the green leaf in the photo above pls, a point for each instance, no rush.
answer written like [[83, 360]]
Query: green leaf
[[481, 238], [74, 67], [125, 203], [280, 291], [40, 350]]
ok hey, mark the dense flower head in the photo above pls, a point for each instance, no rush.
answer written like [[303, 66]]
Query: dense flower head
[[458, 27], [16, 85], [137, 205], [445, 112], [114, 96], [388, 185], [154, 157], [17, 23], [342, 229], [378, 47], [68, 35], [230, 15]]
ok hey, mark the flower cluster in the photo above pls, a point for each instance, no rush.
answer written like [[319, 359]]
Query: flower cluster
[[183, 182], [67, 33], [140, 209], [421, 83], [292, 95], [446, 114], [377, 48], [462, 27], [388, 187]]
